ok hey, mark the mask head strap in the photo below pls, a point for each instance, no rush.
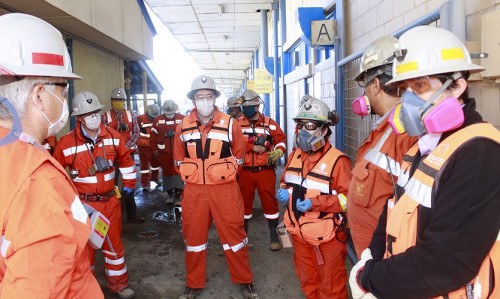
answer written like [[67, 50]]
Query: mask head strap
[[445, 85], [17, 127]]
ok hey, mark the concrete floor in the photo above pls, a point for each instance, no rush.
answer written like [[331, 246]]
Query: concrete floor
[[154, 254]]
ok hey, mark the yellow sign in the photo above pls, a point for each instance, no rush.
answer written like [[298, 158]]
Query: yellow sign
[[251, 84], [263, 81]]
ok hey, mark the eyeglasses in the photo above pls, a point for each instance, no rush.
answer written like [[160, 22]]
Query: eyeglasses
[[309, 125], [64, 85], [420, 85], [202, 97]]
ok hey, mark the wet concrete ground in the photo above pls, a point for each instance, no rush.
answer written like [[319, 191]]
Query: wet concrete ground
[[154, 254]]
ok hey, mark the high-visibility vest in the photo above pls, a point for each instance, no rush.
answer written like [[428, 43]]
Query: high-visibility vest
[[145, 126], [214, 162], [112, 122], [402, 216], [314, 227]]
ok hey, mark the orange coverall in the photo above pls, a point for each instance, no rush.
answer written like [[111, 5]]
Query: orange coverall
[[327, 280], [45, 228], [255, 172], [371, 185], [75, 152], [204, 203], [146, 156]]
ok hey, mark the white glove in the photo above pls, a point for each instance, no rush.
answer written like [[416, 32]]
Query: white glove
[[356, 291]]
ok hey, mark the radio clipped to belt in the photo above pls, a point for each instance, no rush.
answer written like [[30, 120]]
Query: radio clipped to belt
[[100, 226]]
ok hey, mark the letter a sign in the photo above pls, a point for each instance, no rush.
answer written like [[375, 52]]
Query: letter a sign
[[323, 32]]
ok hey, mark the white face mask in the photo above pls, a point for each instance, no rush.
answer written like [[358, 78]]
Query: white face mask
[[205, 107], [93, 122], [55, 127], [170, 115]]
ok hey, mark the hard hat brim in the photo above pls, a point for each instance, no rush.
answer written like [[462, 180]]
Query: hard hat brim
[[190, 94], [472, 68], [98, 108]]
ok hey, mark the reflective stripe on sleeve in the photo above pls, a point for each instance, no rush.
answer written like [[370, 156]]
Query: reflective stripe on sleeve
[[343, 201]]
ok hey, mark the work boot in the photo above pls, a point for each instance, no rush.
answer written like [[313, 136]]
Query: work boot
[[275, 242], [126, 293], [135, 218], [245, 225], [170, 196], [248, 291], [177, 197], [190, 293]]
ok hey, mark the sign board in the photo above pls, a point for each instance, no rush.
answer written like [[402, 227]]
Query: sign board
[[251, 84], [323, 32], [263, 81]]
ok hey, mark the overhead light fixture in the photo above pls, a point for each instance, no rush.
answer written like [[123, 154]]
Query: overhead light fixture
[[220, 9]]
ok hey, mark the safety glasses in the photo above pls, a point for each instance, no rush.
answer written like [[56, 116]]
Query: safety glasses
[[64, 85], [202, 97], [309, 125], [420, 85]]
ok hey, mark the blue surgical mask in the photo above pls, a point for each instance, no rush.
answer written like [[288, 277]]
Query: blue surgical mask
[[249, 111]]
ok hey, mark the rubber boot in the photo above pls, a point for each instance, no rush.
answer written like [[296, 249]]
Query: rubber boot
[[245, 225], [275, 242]]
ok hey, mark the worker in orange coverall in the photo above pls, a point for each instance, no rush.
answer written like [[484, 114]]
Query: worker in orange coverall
[[379, 158], [45, 228], [146, 157], [209, 151], [162, 143], [314, 184], [265, 144], [90, 152]]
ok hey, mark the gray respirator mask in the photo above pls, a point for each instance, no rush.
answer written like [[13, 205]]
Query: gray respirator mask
[[307, 142]]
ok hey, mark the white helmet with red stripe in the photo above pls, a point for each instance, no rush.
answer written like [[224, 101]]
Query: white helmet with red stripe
[[32, 47]]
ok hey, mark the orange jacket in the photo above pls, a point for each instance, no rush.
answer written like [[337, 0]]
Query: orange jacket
[[402, 215], [127, 125], [45, 228], [217, 164], [145, 126], [324, 178], [74, 151], [262, 126], [162, 126]]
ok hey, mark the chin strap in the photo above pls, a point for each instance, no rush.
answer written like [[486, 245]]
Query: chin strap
[[17, 128]]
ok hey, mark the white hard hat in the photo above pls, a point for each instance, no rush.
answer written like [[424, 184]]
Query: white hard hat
[[426, 50], [169, 107], [250, 98], [32, 47], [233, 102], [314, 109], [153, 110], [119, 93], [377, 54], [85, 102], [200, 83]]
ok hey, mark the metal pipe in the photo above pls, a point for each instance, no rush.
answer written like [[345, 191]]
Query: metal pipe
[[444, 16], [71, 91], [282, 66], [145, 89], [339, 47], [276, 76], [457, 20], [431, 17], [264, 53]]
